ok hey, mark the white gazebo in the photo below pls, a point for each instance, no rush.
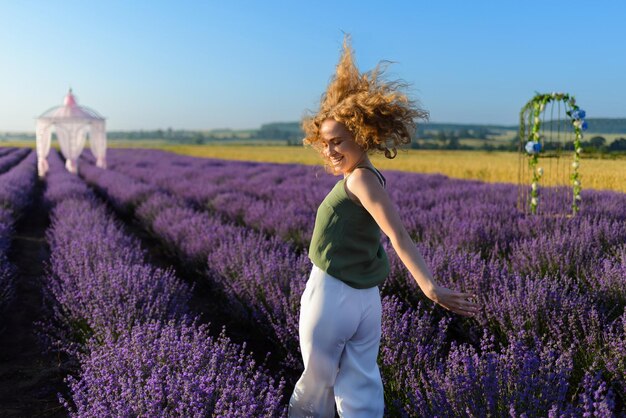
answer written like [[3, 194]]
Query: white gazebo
[[71, 123]]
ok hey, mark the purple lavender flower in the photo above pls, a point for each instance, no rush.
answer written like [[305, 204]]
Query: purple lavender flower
[[552, 287], [172, 370], [17, 184]]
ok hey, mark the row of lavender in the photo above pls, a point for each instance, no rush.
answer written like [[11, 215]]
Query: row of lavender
[[271, 197], [10, 157], [141, 352], [282, 199], [498, 252], [17, 183], [536, 323], [261, 279]]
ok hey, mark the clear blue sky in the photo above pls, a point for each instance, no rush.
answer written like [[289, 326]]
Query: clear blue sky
[[238, 64]]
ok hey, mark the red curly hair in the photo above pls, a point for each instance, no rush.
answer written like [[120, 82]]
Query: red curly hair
[[377, 112]]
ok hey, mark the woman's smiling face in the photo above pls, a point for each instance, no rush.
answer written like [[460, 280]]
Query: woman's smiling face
[[339, 147]]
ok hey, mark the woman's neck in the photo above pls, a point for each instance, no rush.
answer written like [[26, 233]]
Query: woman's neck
[[364, 160]]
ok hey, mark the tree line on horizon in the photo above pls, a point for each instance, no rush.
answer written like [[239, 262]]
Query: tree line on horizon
[[449, 136], [430, 136]]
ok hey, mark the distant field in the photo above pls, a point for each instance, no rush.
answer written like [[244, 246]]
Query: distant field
[[608, 174], [505, 136]]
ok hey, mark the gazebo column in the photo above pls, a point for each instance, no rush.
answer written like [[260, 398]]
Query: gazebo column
[[98, 142], [43, 138], [42, 166], [72, 140], [71, 165]]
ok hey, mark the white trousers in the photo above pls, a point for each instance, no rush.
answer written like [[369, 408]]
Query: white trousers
[[339, 338]]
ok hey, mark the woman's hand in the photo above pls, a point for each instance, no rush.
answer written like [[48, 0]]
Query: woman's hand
[[456, 302]]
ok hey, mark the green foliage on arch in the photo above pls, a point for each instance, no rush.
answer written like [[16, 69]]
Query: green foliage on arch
[[532, 142]]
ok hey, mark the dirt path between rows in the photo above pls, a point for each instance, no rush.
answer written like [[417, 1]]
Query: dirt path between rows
[[29, 379]]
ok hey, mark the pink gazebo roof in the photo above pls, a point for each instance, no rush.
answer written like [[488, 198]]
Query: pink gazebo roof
[[70, 110]]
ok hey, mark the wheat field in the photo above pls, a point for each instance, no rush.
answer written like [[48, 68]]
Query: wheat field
[[492, 167], [601, 174]]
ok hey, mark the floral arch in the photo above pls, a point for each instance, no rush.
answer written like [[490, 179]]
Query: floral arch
[[550, 131]]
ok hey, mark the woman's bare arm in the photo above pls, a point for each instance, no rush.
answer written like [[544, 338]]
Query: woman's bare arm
[[366, 187]]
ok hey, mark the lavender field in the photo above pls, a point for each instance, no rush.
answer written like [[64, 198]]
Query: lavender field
[[17, 178], [173, 285]]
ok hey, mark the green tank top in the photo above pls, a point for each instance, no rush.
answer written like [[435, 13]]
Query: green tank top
[[346, 240]]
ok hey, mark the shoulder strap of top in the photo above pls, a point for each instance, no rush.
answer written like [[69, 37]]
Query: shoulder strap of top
[[381, 178]]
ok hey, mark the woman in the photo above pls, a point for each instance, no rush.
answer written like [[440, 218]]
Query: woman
[[340, 317]]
